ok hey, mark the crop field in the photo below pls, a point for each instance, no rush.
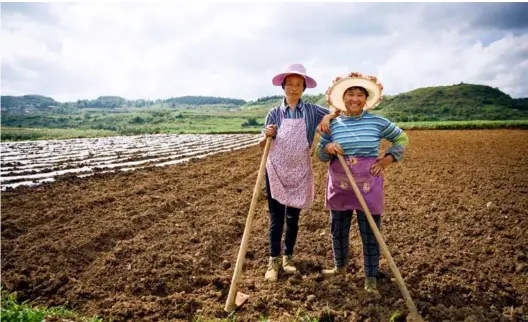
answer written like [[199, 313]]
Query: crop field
[[160, 243], [35, 162]]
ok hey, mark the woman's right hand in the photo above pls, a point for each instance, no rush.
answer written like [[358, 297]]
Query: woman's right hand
[[270, 130], [334, 148]]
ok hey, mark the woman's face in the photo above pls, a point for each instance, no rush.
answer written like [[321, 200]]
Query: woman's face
[[354, 99], [293, 86]]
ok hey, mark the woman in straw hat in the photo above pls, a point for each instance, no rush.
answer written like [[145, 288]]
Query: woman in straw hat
[[357, 134], [289, 173]]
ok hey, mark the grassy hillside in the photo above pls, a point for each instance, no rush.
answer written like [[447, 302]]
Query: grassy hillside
[[27, 101], [464, 104], [453, 103]]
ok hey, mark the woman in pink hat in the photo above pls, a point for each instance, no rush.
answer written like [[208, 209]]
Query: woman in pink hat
[[289, 173], [357, 134]]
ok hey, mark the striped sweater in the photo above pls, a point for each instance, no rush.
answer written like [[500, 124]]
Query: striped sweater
[[361, 136]]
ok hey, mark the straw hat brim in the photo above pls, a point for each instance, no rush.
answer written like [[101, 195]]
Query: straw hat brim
[[336, 91]]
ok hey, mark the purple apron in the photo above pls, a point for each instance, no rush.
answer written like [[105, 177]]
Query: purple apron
[[339, 192], [289, 166]]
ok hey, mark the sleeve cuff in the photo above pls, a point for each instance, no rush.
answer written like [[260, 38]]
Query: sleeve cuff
[[396, 151], [323, 156]]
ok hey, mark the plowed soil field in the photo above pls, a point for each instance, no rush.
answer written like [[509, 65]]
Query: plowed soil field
[[160, 244]]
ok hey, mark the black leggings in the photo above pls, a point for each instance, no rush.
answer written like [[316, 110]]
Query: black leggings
[[277, 213]]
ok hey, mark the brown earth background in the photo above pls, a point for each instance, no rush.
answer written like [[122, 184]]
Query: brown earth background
[[161, 244]]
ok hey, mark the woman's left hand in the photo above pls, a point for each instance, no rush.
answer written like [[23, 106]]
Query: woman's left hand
[[377, 168]]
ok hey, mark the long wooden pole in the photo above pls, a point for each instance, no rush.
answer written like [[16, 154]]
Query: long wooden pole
[[230, 305], [381, 242]]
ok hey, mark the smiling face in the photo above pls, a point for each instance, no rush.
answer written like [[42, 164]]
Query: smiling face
[[293, 86], [355, 99]]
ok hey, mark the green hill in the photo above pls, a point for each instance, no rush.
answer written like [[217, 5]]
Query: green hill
[[268, 102], [453, 103], [204, 100], [32, 101], [39, 102], [442, 103], [462, 106]]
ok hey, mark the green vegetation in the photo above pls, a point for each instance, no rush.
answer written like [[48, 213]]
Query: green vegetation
[[12, 311], [32, 117], [252, 121], [39, 102], [204, 100], [24, 134], [453, 103], [464, 125], [396, 317], [35, 101]]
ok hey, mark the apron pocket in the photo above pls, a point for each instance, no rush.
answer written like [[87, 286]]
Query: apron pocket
[[365, 183], [364, 180]]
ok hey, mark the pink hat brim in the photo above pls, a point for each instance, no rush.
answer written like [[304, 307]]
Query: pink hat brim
[[310, 82]]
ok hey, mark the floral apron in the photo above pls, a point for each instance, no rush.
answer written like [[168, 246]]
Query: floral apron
[[289, 166]]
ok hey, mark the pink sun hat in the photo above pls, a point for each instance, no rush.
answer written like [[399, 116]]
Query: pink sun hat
[[294, 69]]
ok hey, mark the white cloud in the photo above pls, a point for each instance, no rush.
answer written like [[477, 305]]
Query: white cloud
[[451, 59], [72, 51]]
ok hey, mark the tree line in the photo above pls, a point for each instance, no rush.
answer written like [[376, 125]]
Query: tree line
[[40, 102]]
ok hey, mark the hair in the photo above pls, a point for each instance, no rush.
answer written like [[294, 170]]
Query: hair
[[356, 87], [284, 81]]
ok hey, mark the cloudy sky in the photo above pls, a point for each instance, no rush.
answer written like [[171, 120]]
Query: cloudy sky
[[72, 51]]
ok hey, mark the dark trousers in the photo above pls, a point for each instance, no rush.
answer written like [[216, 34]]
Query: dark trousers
[[340, 226], [277, 213]]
